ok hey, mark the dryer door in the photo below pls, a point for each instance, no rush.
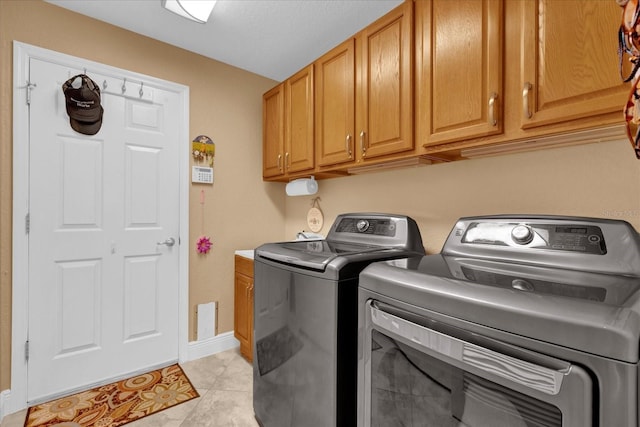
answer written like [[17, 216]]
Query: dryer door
[[425, 373]]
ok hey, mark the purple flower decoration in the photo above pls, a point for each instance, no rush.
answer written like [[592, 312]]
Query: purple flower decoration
[[204, 245]]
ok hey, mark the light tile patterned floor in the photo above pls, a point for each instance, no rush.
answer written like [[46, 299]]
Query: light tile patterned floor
[[225, 384]]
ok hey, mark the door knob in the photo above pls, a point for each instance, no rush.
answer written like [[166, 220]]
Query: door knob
[[169, 242]]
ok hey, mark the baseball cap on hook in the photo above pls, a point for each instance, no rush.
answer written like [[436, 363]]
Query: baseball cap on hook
[[83, 104]]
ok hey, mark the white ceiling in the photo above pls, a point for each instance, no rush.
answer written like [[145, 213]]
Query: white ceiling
[[272, 38]]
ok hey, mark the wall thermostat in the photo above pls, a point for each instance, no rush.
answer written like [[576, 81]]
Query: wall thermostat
[[201, 175]]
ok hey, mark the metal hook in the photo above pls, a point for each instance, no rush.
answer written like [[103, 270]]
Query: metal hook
[[124, 85], [141, 91], [30, 87], [104, 85]]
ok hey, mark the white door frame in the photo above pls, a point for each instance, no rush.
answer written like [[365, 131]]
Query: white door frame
[[22, 53]]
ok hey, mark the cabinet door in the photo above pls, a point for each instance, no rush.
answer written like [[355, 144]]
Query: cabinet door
[[243, 312], [299, 106], [459, 57], [384, 85], [249, 353], [335, 105], [273, 132], [569, 61]]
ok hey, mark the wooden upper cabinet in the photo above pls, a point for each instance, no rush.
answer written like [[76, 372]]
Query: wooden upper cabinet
[[479, 72], [384, 85], [273, 132], [569, 61], [287, 126], [335, 105], [299, 107], [459, 63]]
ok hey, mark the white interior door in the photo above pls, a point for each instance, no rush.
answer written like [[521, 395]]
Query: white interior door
[[103, 293]]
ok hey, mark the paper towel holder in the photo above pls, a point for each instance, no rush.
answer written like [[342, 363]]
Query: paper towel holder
[[302, 187]]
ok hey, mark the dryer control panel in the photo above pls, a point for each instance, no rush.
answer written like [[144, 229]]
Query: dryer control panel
[[561, 237]]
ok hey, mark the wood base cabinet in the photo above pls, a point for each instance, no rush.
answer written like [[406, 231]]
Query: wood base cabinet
[[243, 310]]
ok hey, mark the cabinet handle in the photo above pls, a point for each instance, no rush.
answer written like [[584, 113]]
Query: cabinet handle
[[362, 146], [348, 145], [525, 100], [279, 162], [287, 161], [492, 109]]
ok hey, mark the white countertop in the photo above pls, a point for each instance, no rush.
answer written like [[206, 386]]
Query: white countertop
[[247, 253]]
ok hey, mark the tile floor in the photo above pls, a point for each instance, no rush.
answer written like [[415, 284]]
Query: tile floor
[[225, 384]]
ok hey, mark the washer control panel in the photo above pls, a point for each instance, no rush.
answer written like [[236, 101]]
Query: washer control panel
[[374, 226], [562, 237], [377, 230]]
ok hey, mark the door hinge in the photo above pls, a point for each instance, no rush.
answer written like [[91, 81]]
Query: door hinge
[[30, 87], [27, 223], [26, 350]]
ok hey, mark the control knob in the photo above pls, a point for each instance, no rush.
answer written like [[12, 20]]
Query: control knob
[[362, 225], [522, 234]]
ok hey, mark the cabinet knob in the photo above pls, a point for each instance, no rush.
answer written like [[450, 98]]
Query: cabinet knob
[[492, 109], [525, 100]]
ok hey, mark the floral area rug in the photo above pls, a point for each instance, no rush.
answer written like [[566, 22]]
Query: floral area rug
[[115, 404]]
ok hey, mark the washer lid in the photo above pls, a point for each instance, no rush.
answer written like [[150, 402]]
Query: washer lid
[[590, 312], [313, 254]]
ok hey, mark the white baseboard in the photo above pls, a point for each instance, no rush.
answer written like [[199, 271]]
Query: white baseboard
[[217, 344], [5, 395]]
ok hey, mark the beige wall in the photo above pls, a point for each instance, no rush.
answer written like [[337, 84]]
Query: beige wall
[[599, 180], [225, 103]]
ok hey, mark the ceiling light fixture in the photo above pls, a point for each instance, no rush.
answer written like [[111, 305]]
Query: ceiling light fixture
[[196, 10]]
